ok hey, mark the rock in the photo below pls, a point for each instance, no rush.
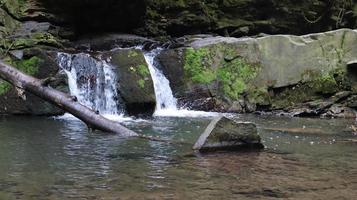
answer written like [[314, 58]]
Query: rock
[[7, 23], [171, 62], [225, 134], [352, 101], [244, 17], [134, 79], [234, 18], [31, 27], [270, 72], [110, 41], [40, 64], [340, 111]]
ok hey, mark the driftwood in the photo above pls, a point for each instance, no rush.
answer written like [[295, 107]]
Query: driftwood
[[24, 82]]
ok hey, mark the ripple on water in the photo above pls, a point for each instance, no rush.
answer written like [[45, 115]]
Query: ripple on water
[[58, 159]]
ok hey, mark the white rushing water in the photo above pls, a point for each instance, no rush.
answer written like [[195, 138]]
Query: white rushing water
[[166, 103], [93, 82]]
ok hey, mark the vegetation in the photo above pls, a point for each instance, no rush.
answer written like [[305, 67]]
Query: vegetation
[[201, 66], [320, 85], [29, 66]]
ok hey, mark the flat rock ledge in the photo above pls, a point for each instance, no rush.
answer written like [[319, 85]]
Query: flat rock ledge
[[226, 134]]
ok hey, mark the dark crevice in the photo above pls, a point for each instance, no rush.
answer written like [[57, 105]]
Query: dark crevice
[[93, 16]]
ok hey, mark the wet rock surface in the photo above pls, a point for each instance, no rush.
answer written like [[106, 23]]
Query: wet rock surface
[[226, 134], [134, 81]]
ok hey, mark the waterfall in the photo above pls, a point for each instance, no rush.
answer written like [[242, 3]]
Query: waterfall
[[93, 82], [166, 103]]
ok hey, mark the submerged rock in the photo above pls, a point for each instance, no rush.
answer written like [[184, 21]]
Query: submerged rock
[[226, 134]]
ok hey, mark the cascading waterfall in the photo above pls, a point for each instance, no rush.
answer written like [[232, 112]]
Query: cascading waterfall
[[165, 101], [93, 82]]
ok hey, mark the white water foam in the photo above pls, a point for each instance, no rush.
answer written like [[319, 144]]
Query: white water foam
[[98, 91], [166, 103]]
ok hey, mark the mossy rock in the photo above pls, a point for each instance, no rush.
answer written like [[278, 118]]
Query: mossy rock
[[134, 79], [39, 64], [221, 64]]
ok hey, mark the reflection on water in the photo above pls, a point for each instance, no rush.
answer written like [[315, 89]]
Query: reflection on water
[[43, 158]]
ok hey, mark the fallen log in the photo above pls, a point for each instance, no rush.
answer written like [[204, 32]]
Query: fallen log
[[24, 82]]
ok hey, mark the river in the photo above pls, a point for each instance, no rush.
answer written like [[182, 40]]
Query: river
[[56, 158]]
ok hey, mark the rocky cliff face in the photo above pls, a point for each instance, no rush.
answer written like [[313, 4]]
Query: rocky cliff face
[[179, 17]]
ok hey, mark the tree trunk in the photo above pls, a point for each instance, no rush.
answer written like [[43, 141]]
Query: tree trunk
[[66, 102]]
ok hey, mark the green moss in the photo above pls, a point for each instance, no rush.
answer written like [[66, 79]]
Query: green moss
[[198, 65], [29, 66], [219, 63], [33, 40], [4, 87], [141, 83], [234, 76], [320, 86], [143, 70], [132, 54]]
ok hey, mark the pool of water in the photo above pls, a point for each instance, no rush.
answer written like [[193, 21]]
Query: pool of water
[[46, 158]]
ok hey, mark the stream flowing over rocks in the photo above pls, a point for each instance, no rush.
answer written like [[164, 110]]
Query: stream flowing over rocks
[[216, 55], [309, 75]]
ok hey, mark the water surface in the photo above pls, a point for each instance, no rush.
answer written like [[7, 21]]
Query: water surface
[[46, 158]]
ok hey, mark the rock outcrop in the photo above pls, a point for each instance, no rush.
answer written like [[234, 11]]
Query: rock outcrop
[[277, 72], [177, 18]]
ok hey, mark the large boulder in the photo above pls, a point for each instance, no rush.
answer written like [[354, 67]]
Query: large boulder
[[37, 63], [246, 74], [226, 134], [135, 84]]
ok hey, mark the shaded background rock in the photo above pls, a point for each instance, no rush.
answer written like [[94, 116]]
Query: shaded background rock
[[177, 18]]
